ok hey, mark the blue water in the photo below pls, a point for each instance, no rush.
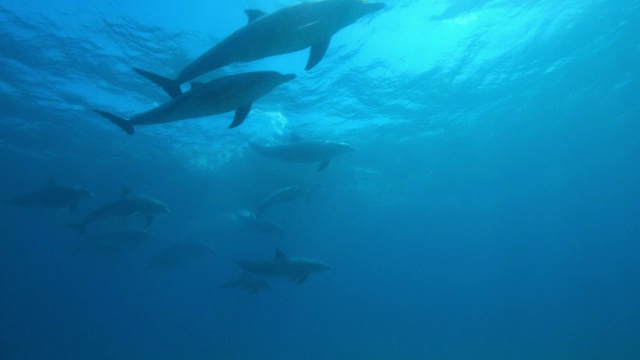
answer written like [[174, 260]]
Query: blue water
[[489, 212]]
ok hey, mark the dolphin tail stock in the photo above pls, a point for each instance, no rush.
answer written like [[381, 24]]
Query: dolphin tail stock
[[171, 87], [122, 123]]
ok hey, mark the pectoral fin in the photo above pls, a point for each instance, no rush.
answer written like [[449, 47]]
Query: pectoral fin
[[149, 219], [241, 114], [317, 52], [324, 164]]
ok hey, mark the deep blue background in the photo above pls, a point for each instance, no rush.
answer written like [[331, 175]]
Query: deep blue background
[[490, 211]]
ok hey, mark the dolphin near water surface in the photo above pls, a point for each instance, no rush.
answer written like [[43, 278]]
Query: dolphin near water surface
[[292, 28], [229, 93]]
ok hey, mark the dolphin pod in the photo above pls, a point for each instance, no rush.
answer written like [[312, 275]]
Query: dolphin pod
[[292, 28]]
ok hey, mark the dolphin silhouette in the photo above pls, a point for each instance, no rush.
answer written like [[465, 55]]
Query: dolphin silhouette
[[290, 29], [229, 93]]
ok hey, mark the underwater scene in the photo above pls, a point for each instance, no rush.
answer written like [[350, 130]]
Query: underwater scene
[[330, 179]]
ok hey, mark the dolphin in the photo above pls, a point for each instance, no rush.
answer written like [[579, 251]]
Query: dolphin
[[52, 196], [286, 194], [246, 282], [129, 204], [180, 254], [229, 93], [248, 221], [297, 269], [290, 29], [304, 151]]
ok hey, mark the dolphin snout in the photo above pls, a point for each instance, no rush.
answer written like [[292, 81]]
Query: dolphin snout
[[288, 77]]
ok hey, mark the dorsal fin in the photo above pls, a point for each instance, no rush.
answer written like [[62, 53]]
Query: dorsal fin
[[125, 191], [51, 182], [253, 14], [279, 255], [195, 84]]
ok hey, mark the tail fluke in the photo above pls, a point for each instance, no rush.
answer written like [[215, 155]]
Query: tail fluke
[[170, 86], [123, 123]]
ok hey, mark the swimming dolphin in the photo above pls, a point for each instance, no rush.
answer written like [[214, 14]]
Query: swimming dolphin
[[297, 269], [286, 194], [248, 221], [246, 282], [180, 254], [304, 151], [290, 29], [52, 196], [129, 204], [229, 93]]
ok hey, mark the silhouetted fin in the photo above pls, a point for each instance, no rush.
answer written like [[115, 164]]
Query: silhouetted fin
[[73, 207], [123, 123], [171, 87], [125, 191], [302, 279], [149, 219], [279, 255], [316, 53], [195, 84], [241, 114], [323, 165], [253, 14], [77, 227]]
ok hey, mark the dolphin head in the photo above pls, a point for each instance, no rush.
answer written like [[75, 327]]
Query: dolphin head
[[158, 207], [340, 148], [311, 266]]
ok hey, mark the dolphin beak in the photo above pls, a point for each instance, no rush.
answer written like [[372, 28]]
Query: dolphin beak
[[288, 77]]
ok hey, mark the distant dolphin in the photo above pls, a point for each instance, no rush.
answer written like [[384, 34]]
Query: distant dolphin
[[304, 151], [128, 204], [181, 254], [248, 221], [286, 194], [246, 282], [229, 93], [290, 29], [52, 196], [295, 268]]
